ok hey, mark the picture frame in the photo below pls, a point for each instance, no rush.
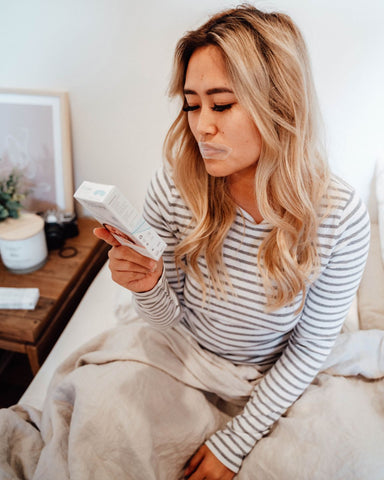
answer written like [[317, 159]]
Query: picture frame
[[35, 142]]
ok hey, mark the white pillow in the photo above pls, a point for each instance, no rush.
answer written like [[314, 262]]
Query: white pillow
[[371, 290], [380, 202], [352, 323]]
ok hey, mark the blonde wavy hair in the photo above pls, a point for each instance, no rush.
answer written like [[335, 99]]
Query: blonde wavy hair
[[268, 65]]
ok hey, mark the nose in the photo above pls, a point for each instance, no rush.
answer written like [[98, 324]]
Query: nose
[[206, 124]]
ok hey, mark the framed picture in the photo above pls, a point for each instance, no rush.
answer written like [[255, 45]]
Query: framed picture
[[35, 141]]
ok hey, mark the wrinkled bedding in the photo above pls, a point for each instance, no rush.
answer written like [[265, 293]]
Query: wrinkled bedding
[[132, 404]]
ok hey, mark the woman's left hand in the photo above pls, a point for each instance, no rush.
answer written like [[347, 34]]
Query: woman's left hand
[[205, 466]]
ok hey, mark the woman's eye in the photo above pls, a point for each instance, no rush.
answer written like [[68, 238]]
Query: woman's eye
[[221, 108], [189, 108], [215, 108]]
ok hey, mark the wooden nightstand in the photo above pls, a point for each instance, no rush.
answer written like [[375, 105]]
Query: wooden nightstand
[[62, 283]]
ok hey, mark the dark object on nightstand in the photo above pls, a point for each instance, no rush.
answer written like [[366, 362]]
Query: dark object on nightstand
[[58, 227]]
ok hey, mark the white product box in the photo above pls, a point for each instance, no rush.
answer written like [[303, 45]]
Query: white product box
[[19, 298], [109, 206]]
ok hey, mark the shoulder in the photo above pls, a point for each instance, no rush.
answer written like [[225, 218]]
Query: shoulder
[[345, 217], [162, 188], [162, 182], [344, 204], [164, 199]]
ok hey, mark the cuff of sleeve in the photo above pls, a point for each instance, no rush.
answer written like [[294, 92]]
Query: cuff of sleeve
[[230, 447], [227, 457], [160, 305], [160, 286]]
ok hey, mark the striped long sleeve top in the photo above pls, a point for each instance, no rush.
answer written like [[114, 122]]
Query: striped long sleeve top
[[289, 347]]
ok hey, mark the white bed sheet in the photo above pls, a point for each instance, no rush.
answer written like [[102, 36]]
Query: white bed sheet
[[94, 314]]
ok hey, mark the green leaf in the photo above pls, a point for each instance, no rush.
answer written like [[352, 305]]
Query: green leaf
[[3, 213], [10, 196]]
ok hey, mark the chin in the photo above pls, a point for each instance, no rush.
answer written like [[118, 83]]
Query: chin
[[214, 168]]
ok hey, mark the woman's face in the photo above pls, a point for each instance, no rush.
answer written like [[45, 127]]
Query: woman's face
[[229, 140]]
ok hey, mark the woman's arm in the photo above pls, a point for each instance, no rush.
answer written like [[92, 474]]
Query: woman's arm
[[157, 287], [162, 305], [326, 306]]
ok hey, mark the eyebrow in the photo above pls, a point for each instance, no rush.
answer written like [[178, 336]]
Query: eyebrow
[[211, 91]]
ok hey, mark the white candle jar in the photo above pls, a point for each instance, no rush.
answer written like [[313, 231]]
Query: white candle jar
[[23, 246]]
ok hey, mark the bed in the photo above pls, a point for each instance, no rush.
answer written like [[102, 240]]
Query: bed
[[334, 431]]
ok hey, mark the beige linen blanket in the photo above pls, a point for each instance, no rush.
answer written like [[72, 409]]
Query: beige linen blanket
[[132, 404]]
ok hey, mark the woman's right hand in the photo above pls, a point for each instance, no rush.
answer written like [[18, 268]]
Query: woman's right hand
[[129, 268]]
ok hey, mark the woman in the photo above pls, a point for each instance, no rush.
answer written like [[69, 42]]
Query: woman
[[265, 247]]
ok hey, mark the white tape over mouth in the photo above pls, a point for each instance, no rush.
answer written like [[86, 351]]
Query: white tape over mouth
[[214, 150]]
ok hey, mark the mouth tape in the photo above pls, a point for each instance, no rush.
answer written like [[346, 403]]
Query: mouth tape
[[213, 150]]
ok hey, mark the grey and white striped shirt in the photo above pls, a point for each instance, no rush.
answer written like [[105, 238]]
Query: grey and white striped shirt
[[290, 347]]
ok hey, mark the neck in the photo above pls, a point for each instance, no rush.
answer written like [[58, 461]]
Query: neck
[[242, 190]]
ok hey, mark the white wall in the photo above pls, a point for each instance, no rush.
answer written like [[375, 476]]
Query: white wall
[[114, 59]]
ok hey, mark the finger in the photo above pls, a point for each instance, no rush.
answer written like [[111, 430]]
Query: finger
[[121, 265], [128, 281], [198, 474], [126, 254], [194, 462], [103, 234]]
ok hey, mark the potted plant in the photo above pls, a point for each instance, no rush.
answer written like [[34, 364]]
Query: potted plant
[[10, 196]]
